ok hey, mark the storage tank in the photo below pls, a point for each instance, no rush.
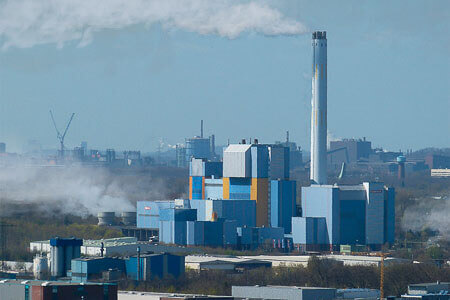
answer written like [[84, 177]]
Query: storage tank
[[40, 267], [128, 218], [106, 218], [62, 251]]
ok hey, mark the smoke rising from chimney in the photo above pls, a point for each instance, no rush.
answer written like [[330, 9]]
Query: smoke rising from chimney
[[26, 23]]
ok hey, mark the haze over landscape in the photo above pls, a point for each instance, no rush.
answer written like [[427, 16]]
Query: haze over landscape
[[134, 74]]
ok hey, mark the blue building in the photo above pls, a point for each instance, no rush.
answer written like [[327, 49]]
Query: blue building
[[282, 203], [148, 212], [356, 215], [149, 266], [173, 225], [86, 269]]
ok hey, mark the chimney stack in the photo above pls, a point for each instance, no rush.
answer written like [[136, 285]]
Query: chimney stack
[[318, 171]]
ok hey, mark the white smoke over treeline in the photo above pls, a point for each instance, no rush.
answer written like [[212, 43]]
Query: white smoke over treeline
[[429, 213], [78, 191], [25, 23]]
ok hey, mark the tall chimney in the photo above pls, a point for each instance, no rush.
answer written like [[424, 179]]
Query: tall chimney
[[201, 129], [318, 171]]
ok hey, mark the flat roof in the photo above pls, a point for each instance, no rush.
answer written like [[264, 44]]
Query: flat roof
[[48, 283]]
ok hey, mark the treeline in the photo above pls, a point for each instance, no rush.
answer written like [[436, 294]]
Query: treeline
[[318, 273], [22, 229]]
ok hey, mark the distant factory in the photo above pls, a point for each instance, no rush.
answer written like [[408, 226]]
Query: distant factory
[[248, 199]]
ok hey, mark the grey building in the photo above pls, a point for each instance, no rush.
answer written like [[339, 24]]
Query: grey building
[[349, 151], [283, 292]]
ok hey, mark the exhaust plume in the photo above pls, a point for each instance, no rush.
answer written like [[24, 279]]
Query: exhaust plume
[[80, 191], [25, 23], [430, 212]]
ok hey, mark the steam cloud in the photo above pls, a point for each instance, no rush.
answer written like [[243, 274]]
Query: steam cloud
[[431, 213], [25, 23], [78, 191]]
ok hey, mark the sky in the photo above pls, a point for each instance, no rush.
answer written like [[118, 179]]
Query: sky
[[137, 71]]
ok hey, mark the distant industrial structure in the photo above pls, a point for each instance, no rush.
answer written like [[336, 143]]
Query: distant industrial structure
[[229, 201], [247, 199]]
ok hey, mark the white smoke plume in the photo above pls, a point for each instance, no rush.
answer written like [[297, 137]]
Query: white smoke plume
[[25, 23], [80, 191], [431, 212]]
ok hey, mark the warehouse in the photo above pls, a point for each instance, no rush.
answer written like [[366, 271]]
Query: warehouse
[[49, 290], [114, 247]]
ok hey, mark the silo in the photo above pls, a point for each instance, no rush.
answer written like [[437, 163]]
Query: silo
[[40, 267], [106, 218], [128, 218], [318, 171], [62, 251]]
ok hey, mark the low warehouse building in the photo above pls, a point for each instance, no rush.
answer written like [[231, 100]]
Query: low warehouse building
[[49, 290], [283, 292]]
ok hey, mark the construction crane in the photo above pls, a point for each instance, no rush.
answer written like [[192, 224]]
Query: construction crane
[[60, 136], [382, 256]]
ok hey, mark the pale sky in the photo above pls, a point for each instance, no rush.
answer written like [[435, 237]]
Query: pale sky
[[245, 71]]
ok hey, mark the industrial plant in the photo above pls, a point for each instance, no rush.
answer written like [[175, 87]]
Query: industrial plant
[[243, 210]]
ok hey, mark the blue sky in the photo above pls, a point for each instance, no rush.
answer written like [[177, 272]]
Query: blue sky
[[388, 80]]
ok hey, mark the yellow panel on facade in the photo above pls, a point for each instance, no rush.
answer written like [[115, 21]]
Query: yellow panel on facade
[[203, 187], [260, 193], [226, 188], [190, 187]]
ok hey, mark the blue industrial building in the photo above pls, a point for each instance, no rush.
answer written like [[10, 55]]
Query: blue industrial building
[[142, 267], [224, 196], [86, 269], [148, 212], [356, 215], [148, 266], [282, 203]]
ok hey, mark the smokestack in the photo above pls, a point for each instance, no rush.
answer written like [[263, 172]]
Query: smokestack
[[318, 172], [201, 129], [287, 136]]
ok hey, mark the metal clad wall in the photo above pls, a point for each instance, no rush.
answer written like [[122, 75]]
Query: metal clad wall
[[240, 188], [309, 231], [175, 265], [200, 206], [353, 218], [197, 167], [274, 203], [213, 234], [178, 214], [180, 233], [226, 188], [230, 233], [13, 291], [299, 234], [243, 211], [166, 229], [213, 168], [390, 215], [279, 162], [260, 161], [287, 193], [237, 161], [374, 213], [213, 189], [323, 201], [260, 193], [267, 234], [148, 212], [197, 187]]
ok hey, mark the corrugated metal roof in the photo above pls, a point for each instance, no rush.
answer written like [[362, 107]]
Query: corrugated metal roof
[[238, 148]]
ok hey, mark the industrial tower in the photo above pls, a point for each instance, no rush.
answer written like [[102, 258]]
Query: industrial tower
[[318, 171]]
